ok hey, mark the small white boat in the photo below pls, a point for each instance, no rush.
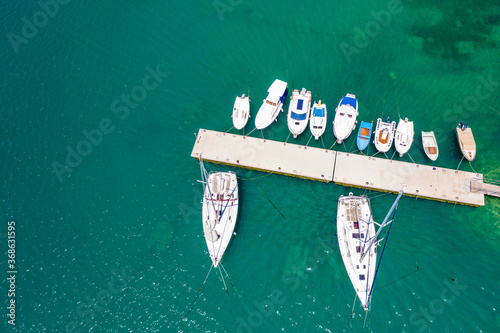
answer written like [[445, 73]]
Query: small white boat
[[220, 211], [272, 105], [404, 136], [384, 135], [357, 241], [317, 124], [345, 117], [430, 145], [241, 111], [466, 141], [298, 111]]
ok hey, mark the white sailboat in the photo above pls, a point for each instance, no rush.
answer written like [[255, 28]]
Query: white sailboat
[[404, 136], [345, 117], [220, 210], [384, 135], [358, 242], [317, 124], [272, 105], [241, 111], [298, 111]]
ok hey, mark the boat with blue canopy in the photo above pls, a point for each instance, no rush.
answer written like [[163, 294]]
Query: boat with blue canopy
[[345, 117], [317, 124], [298, 111]]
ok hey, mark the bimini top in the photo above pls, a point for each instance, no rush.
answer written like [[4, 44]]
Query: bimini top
[[319, 111], [349, 101]]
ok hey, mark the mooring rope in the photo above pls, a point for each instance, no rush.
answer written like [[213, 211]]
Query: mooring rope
[[397, 105], [271, 203], [191, 307], [392, 155], [490, 107], [411, 158], [223, 281], [332, 145], [248, 179], [460, 162], [472, 167], [287, 137], [309, 140]]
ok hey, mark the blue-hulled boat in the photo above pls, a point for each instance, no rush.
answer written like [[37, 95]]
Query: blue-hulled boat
[[364, 135]]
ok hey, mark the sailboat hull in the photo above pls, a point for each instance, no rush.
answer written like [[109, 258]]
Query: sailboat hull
[[355, 228], [220, 211]]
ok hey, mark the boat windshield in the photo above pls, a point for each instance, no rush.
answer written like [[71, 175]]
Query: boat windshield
[[298, 116], [319, 112]]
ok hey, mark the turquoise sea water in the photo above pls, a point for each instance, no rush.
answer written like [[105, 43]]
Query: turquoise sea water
[[112, 241]]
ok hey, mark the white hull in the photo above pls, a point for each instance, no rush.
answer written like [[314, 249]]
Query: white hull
[[241, 112], [345, 117], [466, 142], [220, 210], [355, 228], [430, 145], [317, 123], [298, 111], [272, 105], [404, 136], [384, 135]]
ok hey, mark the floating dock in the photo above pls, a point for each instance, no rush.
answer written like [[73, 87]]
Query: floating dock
[[342, 168]]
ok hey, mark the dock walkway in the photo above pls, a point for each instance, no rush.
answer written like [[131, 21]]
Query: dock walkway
[[342, 168]]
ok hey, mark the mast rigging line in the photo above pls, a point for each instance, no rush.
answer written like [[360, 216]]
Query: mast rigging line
[[385, 243]]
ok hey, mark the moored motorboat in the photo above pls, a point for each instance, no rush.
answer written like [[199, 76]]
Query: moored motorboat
[[345, 117], [317, 123], [466, 141], [430, 145], [241, 111], [220, 211], [298, 111], [272, 105], [364, 135], [358, 242], [404, 136], [384, 134]]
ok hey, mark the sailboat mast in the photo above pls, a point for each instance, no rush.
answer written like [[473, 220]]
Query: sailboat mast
[[374, 239]]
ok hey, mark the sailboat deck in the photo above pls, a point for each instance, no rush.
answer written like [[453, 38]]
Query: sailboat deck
[[342, 168]]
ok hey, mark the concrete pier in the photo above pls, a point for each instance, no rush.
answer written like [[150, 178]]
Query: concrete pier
[[342, 168]]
